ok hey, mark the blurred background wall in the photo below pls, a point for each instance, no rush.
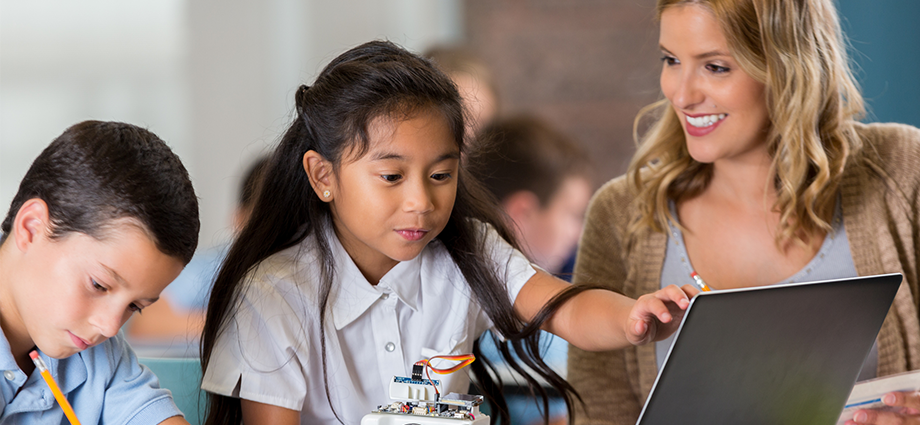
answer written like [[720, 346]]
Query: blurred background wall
[[215, 79]]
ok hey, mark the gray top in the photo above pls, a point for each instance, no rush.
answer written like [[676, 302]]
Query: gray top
[[832, 261]]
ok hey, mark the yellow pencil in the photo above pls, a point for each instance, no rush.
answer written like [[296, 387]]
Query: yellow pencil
[[699, 282], [58, 395]]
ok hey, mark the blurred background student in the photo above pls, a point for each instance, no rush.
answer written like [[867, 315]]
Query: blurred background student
[[473, 80], [542, 180], [175, 323]]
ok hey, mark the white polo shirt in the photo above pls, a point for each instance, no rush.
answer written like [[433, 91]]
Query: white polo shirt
[[270, 350]]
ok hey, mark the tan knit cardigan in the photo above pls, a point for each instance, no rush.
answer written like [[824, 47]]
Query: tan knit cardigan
[[881, 213]]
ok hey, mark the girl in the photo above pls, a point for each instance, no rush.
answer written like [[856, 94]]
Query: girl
[[103, 220], [756, 171], [370, 249]]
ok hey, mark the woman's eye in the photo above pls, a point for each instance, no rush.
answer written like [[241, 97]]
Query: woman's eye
[[135, 308], [392, 178], [98, 287], [717, 69], [669, 60], [441, 176]]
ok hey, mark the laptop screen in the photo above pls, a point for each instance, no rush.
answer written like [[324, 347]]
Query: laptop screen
[[780, 354]]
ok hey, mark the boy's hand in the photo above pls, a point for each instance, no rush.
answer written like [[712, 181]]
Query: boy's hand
[[657, 315]]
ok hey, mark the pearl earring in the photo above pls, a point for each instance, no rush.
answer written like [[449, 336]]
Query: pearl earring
[[326, 194]]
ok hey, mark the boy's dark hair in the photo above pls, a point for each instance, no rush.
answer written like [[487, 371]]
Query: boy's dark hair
[[373, 80], [97, 172], [525, 153]]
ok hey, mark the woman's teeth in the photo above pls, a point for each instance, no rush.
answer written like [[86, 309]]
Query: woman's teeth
[[705, 121]]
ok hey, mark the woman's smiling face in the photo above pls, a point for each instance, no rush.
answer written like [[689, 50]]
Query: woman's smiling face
[[723, 109]]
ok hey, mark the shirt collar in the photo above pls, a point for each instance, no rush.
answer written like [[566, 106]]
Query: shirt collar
[[353, 295], [7, 362], [69, 372]]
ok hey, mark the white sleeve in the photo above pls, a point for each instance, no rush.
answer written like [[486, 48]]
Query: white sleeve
[[511, 266], [259, 355]]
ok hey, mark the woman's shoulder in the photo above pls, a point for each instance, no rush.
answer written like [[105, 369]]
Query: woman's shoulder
[[613, 199], [893, 147], [890, 140]]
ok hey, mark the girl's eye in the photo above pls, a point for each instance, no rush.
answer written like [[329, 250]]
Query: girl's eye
[[717, 69], [669, 60], [135, 308], [391, 178], [441, 176], [98, 287]]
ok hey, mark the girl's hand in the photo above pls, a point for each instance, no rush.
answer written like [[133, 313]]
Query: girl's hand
[[657, 315], [906, 411]]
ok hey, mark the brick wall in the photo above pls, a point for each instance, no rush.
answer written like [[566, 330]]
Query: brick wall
[[587, 66]]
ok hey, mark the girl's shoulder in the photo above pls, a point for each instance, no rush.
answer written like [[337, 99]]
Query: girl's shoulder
[[293, 269]]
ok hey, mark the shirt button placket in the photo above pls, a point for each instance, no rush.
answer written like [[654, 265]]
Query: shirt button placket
[[387, 335]]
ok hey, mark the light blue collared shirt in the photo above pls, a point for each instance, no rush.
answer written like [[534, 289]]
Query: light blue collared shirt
[[104, 384]]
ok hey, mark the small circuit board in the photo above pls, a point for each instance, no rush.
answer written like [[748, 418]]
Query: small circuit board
[[453, 406], [415, 405], [418, 401]]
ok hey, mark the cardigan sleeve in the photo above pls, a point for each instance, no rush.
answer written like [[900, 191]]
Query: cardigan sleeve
[[601, 378], [886, 204]]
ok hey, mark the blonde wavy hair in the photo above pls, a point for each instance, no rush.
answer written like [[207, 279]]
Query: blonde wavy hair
[[797, 50]]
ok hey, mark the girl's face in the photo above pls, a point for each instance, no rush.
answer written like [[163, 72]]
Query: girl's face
[[76, 291], [388, 204], [723, 109]]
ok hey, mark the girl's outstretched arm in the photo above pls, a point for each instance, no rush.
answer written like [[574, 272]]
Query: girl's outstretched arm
[[600, 320], [255, 413]]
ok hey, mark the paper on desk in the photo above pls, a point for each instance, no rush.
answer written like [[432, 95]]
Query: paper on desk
[[868, 394]]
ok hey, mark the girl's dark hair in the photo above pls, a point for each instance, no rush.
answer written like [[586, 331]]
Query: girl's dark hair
[[374, 80], [97, 172]]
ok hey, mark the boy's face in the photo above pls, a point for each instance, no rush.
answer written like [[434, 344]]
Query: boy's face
[[390, 203], [76, 291], [553, 230]]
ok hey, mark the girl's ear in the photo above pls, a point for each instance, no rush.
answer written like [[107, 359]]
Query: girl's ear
[[31, 223], [319, 171]]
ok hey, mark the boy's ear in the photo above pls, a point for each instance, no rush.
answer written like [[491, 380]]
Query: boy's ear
[[319, 171], [31, 223], [521, 206]]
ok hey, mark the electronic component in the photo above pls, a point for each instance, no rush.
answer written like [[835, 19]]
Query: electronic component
[[417, 370], [418, 403]]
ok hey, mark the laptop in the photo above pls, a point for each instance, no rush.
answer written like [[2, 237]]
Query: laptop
[[780, 354]]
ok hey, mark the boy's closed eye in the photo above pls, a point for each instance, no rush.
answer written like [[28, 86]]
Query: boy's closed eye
[[137, 307]]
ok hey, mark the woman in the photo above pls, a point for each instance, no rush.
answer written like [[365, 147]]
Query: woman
[[754, 172]]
